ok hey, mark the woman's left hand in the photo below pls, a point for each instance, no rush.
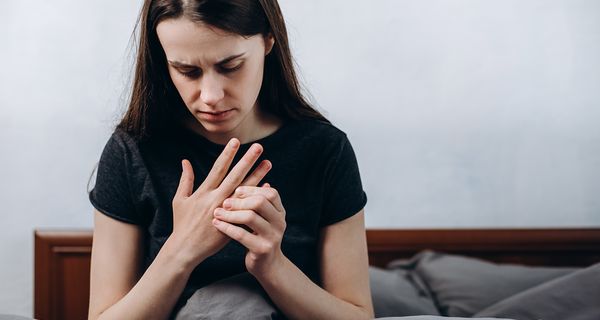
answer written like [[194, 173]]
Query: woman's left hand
[[260, 209]]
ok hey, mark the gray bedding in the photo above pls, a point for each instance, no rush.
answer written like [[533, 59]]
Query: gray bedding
[[432, 286], [466, 287]]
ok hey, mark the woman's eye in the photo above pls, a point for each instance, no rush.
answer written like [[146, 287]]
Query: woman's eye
[[195, 73], [191, 73], [230, 69]]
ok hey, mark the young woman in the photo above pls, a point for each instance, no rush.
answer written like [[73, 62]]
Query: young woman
[[220, 167]]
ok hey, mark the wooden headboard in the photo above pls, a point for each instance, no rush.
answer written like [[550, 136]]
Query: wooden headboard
[[62, 257]]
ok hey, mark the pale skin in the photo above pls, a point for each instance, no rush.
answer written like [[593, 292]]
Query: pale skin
[[205, 219]]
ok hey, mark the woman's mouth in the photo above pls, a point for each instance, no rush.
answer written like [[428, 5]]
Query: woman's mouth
[[215, 116]]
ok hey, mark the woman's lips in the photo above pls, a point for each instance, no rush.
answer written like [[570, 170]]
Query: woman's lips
[[216, 116]]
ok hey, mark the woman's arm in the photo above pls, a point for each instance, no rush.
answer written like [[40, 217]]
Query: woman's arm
[[342, 252], [344, 274], [115, 292]]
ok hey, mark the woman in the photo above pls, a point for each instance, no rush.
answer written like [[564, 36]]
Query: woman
[[214, 87]]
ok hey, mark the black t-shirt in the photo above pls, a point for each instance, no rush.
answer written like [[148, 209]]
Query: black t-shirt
[[314, 171]]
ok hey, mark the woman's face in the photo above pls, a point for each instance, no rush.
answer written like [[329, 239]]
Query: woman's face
[[217, 74]]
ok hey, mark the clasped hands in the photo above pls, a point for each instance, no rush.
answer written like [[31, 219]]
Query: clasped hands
[[234, 207]]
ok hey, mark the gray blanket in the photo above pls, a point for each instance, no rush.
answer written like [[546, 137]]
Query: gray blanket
[[432, 286]]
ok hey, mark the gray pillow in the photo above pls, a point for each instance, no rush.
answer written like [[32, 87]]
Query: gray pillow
[[237, 297], [395, 293], [462, 286], [575, 296]]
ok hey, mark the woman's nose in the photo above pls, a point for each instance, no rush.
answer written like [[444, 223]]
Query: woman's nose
[[211, 90]]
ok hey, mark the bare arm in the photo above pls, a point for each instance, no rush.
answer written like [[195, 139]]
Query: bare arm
[[342, 252], [344, 273], [116, 289]]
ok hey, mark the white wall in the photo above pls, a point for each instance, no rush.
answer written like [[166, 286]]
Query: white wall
[[462, 113]]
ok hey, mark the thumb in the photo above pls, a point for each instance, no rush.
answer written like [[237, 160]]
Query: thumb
[[186, 183]]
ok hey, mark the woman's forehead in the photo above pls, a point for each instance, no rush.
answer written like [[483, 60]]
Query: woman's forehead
[[195, 43]]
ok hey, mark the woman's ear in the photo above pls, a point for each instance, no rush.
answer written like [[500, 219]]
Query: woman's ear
[[269, 43]]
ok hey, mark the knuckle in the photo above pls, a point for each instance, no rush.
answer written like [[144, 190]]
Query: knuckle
[[239, 235], [262, 201], [265, 247], [254, 203], [250, 217], [218, 194], [272, 194]]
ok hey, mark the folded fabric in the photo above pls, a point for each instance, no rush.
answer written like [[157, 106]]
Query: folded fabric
[[575, 296], [462, 286], [237, 297], [395, 293]]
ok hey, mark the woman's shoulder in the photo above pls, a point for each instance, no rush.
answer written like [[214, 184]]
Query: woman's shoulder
[[126, 140], [122, 137], [122, 144]]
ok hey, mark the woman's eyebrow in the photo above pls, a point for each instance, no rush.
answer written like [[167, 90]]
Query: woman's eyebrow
[[185, 65]]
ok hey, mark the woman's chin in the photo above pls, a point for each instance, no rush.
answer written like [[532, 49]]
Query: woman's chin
[[223, 127]]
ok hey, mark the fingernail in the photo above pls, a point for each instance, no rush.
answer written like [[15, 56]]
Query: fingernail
[[266, 164], [216, 221], [217, 212], [227, 204], [233, 142]]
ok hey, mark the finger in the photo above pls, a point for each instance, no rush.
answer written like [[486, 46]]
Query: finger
[[244, 217], [241, 169], [247, 239], [271, 194], [186, 182], [258, 174], [221, 165], [258, 204]]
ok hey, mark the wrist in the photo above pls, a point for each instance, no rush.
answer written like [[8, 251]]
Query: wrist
[[175, 251], [271, 271]]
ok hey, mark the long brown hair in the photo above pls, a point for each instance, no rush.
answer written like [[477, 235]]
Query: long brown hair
[[155, 102]]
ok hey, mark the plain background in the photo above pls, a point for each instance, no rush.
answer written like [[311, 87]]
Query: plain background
[[462, 113]]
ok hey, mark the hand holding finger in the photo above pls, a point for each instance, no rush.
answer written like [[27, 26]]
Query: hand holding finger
[[266, 191], [258, 204], [249, 218]]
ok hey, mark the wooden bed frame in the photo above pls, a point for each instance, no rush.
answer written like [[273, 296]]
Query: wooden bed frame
[[62, 257]]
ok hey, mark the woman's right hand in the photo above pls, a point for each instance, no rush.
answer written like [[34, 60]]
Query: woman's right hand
[[193, 232]]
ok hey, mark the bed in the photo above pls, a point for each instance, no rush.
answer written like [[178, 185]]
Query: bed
[[62, 257]]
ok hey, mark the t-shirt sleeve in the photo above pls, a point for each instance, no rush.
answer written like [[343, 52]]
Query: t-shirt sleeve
[[112, 193], [344, 195]]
